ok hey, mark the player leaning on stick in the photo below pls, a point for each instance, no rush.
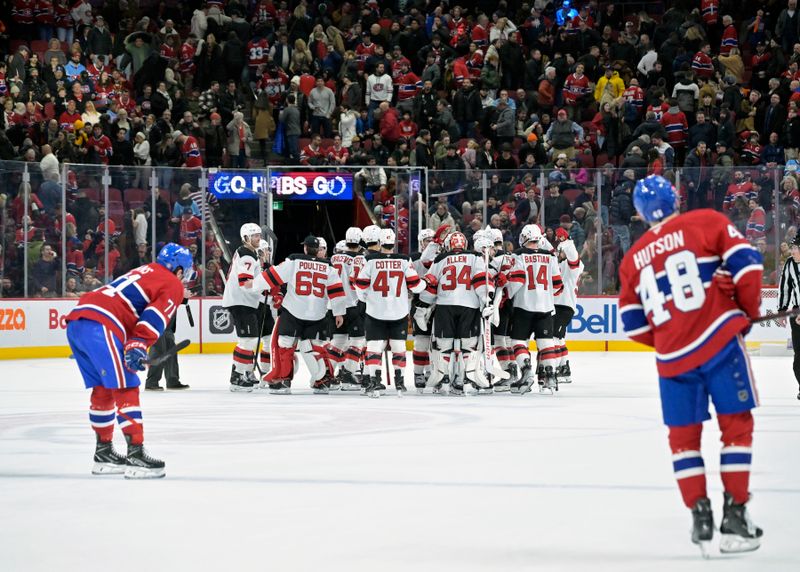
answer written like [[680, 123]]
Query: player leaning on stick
[[310, 283], [571, 269], [242, 302], [689, 287], [383, 285], [109, 332]]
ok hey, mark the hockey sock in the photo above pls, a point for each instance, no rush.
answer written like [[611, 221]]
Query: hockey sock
[[421, 354], [521, 353], [354, 354], [264, 357], [372, 360], [398, 349], [687, 462], [102, 413], [129, 414], [736, 454], [243, 359], [548, 352]]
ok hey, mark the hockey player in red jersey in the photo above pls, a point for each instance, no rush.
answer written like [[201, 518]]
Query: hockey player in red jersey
[[109, 332], [689, 288]]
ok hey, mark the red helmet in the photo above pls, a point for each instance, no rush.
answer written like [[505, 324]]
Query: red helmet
[[561, 234], [455, 241]]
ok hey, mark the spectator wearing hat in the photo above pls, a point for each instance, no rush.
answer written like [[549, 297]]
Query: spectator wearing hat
[[562, 134]]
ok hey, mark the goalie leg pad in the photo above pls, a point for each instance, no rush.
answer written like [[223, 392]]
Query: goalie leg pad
[[314, 362]]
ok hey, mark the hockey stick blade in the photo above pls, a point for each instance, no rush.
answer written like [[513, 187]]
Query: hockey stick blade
[[169, 353], [776, 316]]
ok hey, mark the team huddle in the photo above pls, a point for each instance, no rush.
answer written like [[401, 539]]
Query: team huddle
[[474, 312]]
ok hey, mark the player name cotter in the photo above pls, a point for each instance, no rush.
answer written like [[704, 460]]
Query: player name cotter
[[389, 265], [667, 243], [318, 266]]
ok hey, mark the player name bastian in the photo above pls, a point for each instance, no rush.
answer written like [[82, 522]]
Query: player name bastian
[[666, 243]]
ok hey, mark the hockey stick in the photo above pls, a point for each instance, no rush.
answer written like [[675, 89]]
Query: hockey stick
[[492, 369], [189, 315], [266, 232], [777, 316], [168, 354]]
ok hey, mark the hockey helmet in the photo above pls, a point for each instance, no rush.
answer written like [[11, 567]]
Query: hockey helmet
[[482, 243], [455, 241], [323, 244], [372, 235], [530, 233], [173, 256], [341, 246], [496, 234], [248, 230], [425, 234], [654, 198], [387, 238], [353, 235]]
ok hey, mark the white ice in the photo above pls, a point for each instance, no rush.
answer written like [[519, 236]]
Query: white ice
[[577, 481]]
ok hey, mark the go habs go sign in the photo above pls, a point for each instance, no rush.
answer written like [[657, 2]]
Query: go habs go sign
[[290, 185]]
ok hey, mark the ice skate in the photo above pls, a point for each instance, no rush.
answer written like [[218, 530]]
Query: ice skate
[[457, 388], [347, 381], [565, 375], [420, 382], [375, 387], [321, 387], [251, 378], [280, 387], [239, 383], [550, 382], [442, 387], [107, 461], [503, 385], [739, 534], [399, 383], [523, 384], [702, 525], [140, 465]]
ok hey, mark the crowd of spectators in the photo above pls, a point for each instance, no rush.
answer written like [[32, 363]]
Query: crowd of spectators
[[532, 111]]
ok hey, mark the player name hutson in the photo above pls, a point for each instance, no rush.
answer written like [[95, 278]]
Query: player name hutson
[[666, 243]]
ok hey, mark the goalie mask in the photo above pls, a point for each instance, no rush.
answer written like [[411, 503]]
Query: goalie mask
[[455, 241]]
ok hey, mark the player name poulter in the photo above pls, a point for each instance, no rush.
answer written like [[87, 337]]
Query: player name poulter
[[319, 266], [666, 243]]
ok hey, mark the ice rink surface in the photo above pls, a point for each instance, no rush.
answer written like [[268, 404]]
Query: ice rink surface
[[577, 481]]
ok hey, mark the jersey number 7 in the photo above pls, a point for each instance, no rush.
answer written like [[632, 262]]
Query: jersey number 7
[[680, 281]]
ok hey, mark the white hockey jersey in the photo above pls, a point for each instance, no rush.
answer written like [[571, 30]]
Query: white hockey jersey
[[244, 266], [384, 284], [344, 263], [461, 280], [571, 271], [310, 283], [534, 280]]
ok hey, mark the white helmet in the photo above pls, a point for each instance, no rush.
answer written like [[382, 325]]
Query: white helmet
[[387, 237], [496, 235], [322, 243], [482, 242], [353, 235], [263, 247], [341, 246], [480, 233], [425, 234], [248, 230], [530, 233], [371, 234]]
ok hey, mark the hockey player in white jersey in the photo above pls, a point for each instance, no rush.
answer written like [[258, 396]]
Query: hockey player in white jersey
[[457, 283], [348, 339], [571, 268], [500, 265], [265, 318], [310, 283], [384, 284], [533, 283], [422, 332], [242, 303]]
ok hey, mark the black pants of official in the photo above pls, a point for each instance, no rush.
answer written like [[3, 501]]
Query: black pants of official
[[796, 347], [170, 367]]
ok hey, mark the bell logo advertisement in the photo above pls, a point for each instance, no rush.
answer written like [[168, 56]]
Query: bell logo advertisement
[[289, 185]]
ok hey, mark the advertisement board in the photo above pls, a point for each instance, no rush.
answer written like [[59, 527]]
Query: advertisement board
[[289, 185]]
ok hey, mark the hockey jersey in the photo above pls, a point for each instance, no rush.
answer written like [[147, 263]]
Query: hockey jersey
[[534, 280], [344, 263], [244, 266], [310, 284], [457, 278], [668, 299], [138, 304], [571, 271], [384, 284]]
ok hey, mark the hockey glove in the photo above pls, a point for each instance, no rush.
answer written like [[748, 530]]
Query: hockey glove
[[724, 281], [135, 355], [569, 250], [421, 316], [500, 280], [277, 299], [441, 233], [433, 283]]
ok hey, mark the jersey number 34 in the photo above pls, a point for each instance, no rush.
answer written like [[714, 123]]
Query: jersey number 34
[[680, 282]]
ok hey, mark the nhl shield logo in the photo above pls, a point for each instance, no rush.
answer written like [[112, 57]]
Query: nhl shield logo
[[219, 320]]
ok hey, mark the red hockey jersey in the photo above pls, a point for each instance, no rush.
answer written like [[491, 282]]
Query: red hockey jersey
[[138, 304], [668, 299]]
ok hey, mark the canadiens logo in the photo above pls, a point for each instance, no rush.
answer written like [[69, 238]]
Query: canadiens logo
[[219, 320]]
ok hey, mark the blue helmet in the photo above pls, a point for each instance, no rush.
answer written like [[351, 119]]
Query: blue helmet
[[173, 256], [654, 198]]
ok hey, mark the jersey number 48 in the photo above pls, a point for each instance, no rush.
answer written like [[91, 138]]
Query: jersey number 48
[[680, 282]]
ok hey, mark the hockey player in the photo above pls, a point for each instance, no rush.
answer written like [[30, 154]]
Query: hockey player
[[310, 283], [689, 288], [109, 332], [383, 285], [265, 318], [323, 345], [242, 301], [500, 265], [349, 338], [457, 282], [571, 268], [533, 283]]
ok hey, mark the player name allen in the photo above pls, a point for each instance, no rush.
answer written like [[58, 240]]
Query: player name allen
[[666, 243], [318, 266], [389, 264]]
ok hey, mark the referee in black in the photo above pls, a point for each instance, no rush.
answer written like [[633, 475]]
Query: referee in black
[[789, 297]]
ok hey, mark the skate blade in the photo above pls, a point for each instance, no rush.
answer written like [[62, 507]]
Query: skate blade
[[240, 389], [457, 392], [108, 469], [705, 548], [733, 544], [420, 390], [321, 392], [280, 391], [142, 473], [501, 388], [374, 394], [565, 380]]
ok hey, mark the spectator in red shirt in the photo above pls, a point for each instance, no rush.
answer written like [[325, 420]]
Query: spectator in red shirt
[[190, 150], [389, 124], [190, 228], [100, 145]]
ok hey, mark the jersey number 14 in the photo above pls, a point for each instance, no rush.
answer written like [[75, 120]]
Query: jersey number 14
[[680, 282]]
